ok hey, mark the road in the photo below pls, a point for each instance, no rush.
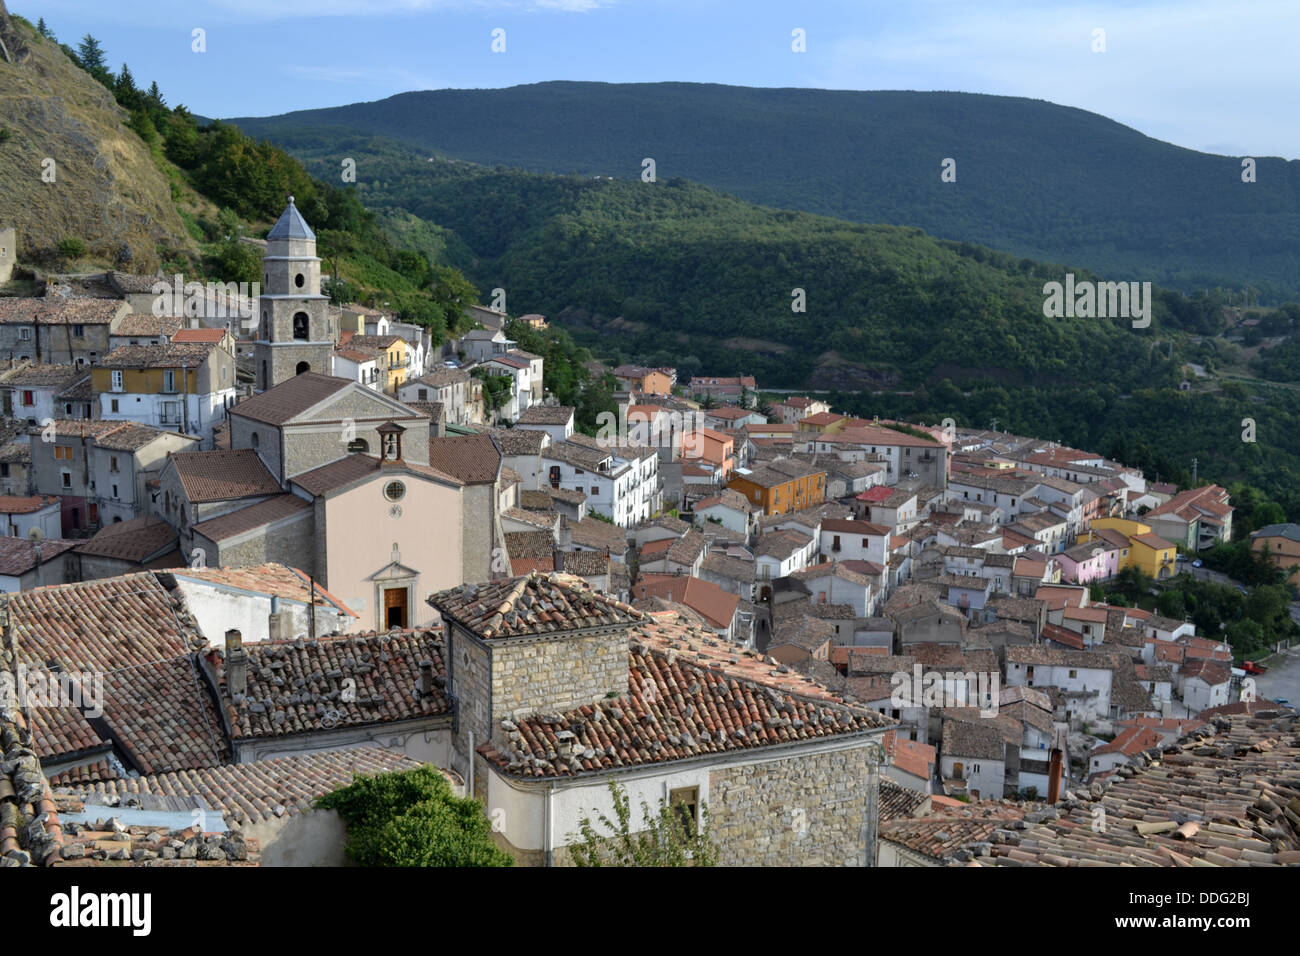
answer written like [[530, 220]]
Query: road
[[1283, 677]]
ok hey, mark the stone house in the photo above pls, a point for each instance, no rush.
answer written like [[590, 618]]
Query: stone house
[[8, 253], [182, 386], [100, 470], [460, 393], [57, 330], [138, 544], [553, 704], [31, 392]]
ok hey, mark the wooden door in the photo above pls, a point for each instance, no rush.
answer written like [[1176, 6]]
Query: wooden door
[[395, 607]]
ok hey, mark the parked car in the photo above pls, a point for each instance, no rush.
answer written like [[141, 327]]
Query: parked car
[[1250, 667], [1197, 563], [1283, 701]]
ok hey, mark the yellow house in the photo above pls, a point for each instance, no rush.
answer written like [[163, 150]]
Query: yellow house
[[1153, 555], [1126, 526], [390, 355]]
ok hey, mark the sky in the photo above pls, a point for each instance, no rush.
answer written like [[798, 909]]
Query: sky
[[1220, 76]]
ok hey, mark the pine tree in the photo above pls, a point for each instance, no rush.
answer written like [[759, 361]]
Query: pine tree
[[43, 30], [155, 95], [91, 57]]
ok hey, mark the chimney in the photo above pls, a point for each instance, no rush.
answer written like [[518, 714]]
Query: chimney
[[236, 663], [426, 678], [565, 534], [557, 560], [279, 626], [1054, 776]]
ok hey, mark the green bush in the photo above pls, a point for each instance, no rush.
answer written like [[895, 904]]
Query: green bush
[[413, 819]]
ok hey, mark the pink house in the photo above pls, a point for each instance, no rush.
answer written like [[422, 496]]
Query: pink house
[[1089, 561]]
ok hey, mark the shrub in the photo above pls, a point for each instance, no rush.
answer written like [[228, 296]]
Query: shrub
[[412, 818]]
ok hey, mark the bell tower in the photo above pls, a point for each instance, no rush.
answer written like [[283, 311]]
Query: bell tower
[[293, 330]]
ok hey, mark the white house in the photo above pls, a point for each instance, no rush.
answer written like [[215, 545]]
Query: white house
[[357, 366], [845, 540], [555, 420], [1085, 677]]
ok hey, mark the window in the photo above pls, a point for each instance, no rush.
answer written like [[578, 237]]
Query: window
[[358, 446], [63, 451], [686, 800], [254, 440], [1073, 674], [171, 413], [117, 380], [169, 380], [112, 463], [67, 479], [394, 491], [79, 331], [28, 397], [835, 543], [114, 401], [595, 490], [25, 334], [424, 394], [115, 491], [299, 280]]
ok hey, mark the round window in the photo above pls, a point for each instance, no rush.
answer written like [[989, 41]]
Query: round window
[[394, 491], [298, 280]]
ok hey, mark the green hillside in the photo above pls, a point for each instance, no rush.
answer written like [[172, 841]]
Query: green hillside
[[1033, 178]]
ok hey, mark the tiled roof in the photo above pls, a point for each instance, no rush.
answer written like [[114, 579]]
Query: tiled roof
[[277, 580], [102, 625], [717, 606], [185, 336], [250, 793], [163, 717], [601, 535], [221, 475], [898, 802], [297, 687], [972, 739], [137, 540], [910, 756], [254, 516], [1220, 797], [949, 831], [546, 415], [290, 398], [339, 474], [723, 565], [676, 707], [782, 544], [15, 505], [531, 605], [472, 459], [20, 555], [56, 310], [171, 355], [520, 441], [34, 376], [30, 831], [146, 324]]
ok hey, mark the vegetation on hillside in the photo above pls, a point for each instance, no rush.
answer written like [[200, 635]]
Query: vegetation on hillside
[[1033, 178]]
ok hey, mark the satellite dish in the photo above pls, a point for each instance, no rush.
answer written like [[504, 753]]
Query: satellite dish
[[36, 534]]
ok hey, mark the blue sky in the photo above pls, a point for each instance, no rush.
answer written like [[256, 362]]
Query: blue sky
[[1215, 75]]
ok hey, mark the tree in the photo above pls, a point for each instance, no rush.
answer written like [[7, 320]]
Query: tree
[[412, 818], [91, 57], [43, 30], [671, 837], [70, 249]]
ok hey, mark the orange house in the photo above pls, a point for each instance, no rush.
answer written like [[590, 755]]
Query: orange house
[[782, 485], [711, 449]]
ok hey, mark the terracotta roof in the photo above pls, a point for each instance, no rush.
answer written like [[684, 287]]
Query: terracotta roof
[[256, 792], [528, 606], [146, 324], [19, 555], [278, 580], [103, 625], [910, 756], [137, 540], [221, 475], [546, 415], [520, 441], [213, 336], [56, 310], [30, 831], [297, 687], [35, 376], [326, 479], [715, 605], [472, 459], [948, 832], [1218, 797], [171, 355], [782, 544], [855, 527], [14, 505], [897, 802], [290, 398], [601, 535], [677, 707], [256, 515], [1130, 742]]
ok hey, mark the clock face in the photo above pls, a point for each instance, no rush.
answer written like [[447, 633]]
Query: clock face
[[395, 511]]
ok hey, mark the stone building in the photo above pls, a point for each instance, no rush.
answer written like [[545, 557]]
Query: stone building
[[293, 333], [59, 330], [560, 689], [8, 253]]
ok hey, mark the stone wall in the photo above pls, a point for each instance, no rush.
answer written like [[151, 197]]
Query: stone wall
[[556, 675], [480, 534], [292, 543], [471, 683], [805, 810], [268, 440]]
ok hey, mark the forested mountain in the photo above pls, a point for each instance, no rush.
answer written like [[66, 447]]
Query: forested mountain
[[1032, 178]]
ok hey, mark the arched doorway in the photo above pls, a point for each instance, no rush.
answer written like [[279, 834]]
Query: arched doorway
[[302, 367]]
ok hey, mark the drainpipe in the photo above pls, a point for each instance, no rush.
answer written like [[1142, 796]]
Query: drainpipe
[[185, 399], [548, 826]]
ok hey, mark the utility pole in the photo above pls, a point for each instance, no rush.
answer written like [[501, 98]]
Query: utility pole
[[1194, 463]]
